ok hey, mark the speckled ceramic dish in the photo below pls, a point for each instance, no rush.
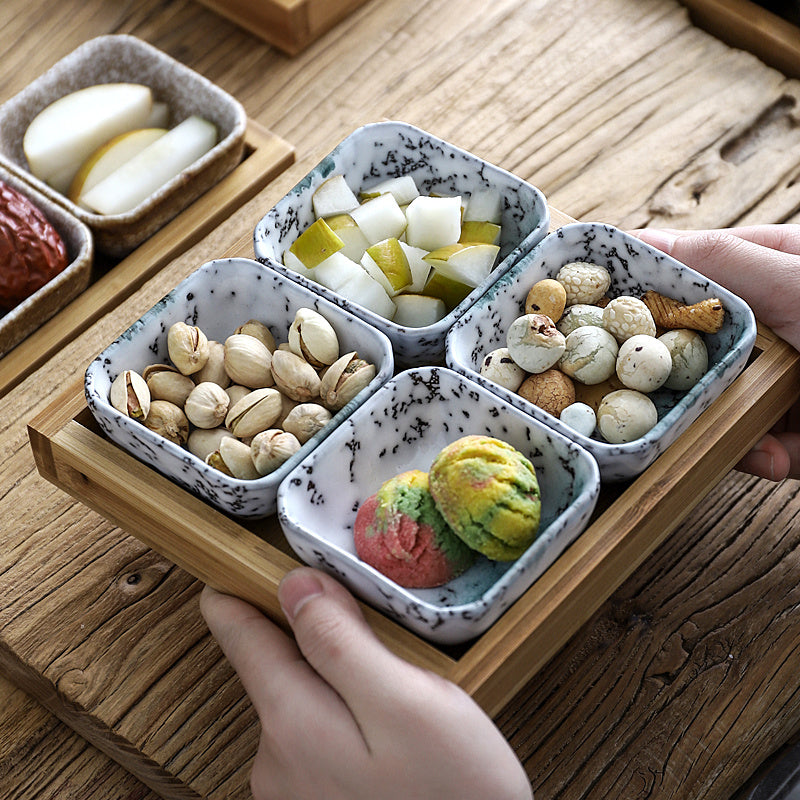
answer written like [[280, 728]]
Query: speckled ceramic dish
[[635, 267], [389, 149], [21, 321], [401, 427], [122, 58], [218, 297]]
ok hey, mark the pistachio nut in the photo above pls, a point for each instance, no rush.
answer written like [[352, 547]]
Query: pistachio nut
[[270, 448], [206, 405], [294, 376], [287, 404], [260, 331], [168, 420], [204, 441], [247, 361], [344, 379], [254, 413], [305, 420], [129, 395], [233, 458], [166, 383], [188, 347], [313, 338], [214, 368], [236, 392]]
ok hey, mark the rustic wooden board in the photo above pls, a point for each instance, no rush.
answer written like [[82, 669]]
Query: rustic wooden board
[[266, 155]]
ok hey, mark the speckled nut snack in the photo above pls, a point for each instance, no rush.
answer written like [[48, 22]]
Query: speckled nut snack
[[534, 342], [578, 315], [689, 358], [498, 366], [625, 415], [551, 390], [590, 355], [628, 316], [548, 297], [644, 363], [580, 417], [584, 282]]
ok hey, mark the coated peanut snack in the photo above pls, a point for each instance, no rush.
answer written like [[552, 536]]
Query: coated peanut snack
[[245, 405]]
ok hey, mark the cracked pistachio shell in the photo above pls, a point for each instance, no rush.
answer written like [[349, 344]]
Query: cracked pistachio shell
[[188, 347], [247, 361], [344, 379], [260, 331], [294, 376], [166, 383], [254, 413], [270, 448], [214, 368], [203, 442], [306, 419], [233, 458], [207, 405], [168, 420], [129, 395], [313, 338]]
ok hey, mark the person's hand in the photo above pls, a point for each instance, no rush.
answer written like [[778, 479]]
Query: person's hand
[[761, 264], [343, 718]]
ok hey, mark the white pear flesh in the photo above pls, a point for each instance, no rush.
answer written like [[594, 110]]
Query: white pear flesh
[[433, 222], [159, 115], [403, 188], [344, 226], [420, 269], [291, 261], [66, 132], [157, 164], [469, 264], [333, 196], [367, 292], [484, 205], [335, 271], [418, 310], [380, 218]]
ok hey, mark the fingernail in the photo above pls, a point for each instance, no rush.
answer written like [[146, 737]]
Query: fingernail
[[296, 589], [660, 239]]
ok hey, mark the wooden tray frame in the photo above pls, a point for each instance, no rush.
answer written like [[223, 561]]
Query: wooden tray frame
[[250, 559], [265, 156]]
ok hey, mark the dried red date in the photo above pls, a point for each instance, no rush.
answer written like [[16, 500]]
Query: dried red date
[[31, 250]]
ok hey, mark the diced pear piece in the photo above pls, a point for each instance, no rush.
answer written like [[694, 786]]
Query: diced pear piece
[[484, 205], [367, 292], [154, 166], [336, 270], [291, 261], [316, 243], [389, 260], [473, 230], [403, 188], [66, 132], [355, 243], [380, 218], [433, 222], [418, 310], [159, 115], [420, 268], [466, 263], [333, 196], [450, 291]]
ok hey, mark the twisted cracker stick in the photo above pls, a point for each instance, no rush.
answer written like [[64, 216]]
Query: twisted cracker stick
[[706, 316]]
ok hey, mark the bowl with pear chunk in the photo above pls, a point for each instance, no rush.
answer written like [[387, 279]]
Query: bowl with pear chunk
[[123, 136], [403, 229]]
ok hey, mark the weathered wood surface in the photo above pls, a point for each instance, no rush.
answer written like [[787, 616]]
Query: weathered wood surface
[[620, 111]]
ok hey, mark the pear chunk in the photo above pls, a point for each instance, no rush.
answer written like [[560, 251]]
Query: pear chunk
[[484, 205], [380, 218], [433, 222], [387, 262], [335, 271], [479, 231], [420, 268], [333, 196], [315, 244], [447, 289], [418, 310], [402, 188], [466, 263], [367, 292], [344, 226]]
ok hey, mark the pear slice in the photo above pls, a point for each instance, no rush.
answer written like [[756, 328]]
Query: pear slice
[[484, 205], [109, 157], [420, 268], [447, 289], [145, 173], [387, 262], [433, 222], [333, 196], [66, 132], [316, 243], [159, 115], [403, 188], [380, 218], [367, 292], [473, 230], [344, 226], [466, 263], [335, 271], [291, 261], [418, 310]]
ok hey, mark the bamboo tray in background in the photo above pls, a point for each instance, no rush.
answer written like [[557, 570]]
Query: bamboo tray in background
[[250, 558], [265, 156]]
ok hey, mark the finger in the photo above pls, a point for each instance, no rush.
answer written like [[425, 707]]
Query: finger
[[782, 237], [768, 459]]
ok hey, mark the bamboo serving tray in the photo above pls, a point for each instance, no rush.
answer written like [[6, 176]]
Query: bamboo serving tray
[[249, 559], [289, 25], [265, 156]]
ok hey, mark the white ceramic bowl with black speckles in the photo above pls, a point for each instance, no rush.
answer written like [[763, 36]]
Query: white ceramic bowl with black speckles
[[218, 297], [403, 426], [635, 267], [383, 150]]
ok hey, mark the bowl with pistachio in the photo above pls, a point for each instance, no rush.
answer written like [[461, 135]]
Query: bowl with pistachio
[[231, 379], [404, 229]]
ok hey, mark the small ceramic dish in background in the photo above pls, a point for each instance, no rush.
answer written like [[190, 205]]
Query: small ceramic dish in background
[[123, 58], [402, 426], [22, 320], [217, 298], [635, 268], [382, 150]]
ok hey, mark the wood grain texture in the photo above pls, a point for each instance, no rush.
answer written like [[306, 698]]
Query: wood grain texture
[[620, 111]]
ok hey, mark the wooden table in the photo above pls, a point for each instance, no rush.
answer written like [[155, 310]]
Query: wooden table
[[685, 680]]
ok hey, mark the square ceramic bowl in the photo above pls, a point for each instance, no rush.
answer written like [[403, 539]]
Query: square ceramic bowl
[[218, 297], [123, 58], [403, 426], [635, 267], [384, 150], [31, 313]]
